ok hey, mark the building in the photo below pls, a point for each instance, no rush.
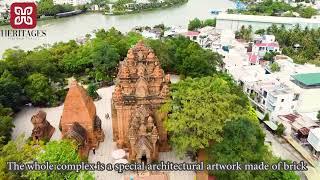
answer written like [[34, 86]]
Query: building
[[298, 124], [192, 35], [72, 2], [293, 89], [152, 34], [79, 120], [314, 140], [235, 21], [174, 31], [209, 38], [141, 88], [42, 129], [307, 87], [261, 45]]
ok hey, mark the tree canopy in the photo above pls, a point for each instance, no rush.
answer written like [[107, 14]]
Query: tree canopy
[[242, 137], [18, 151], [301, 44], [199, 108], [59, 152], [48, 8], [185, 57], [38, 88], [6, 124], [197, 23]]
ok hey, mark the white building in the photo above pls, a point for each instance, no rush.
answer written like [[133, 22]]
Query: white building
[[175, 31], [296, 88], [235, 21], [72, 2], [150, 35], [305, 82], [209, 38], [314, 140]]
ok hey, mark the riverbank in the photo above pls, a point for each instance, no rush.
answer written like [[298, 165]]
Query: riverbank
[[154, 6], [65, 29], [274, 8], [6, 23], [151, 7]]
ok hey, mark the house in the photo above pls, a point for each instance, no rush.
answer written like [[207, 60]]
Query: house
[[149, 34], [174, 31], [209, 38], [293, 89], [261, 45], [280, 100], [192, 35], [260, 49], [298, 124]]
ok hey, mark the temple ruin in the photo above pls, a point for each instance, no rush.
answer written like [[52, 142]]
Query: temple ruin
[[42, 129], [141, 88], [79, 120]]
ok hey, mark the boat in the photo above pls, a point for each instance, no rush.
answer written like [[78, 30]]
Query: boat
[[215, 12], [70, 13]]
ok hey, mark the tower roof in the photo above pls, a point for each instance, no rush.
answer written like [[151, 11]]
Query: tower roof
[[78, 106]]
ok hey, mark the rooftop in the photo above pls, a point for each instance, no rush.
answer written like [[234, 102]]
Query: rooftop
[[192, 33], [273, 44], [308, 79], [316, 132]]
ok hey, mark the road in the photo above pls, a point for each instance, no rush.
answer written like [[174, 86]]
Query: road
[[282, 149]]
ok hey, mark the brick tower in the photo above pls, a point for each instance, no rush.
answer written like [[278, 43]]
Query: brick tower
[[141, 88], [79, 120]]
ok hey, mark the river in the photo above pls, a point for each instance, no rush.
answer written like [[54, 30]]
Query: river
[[65, 29]]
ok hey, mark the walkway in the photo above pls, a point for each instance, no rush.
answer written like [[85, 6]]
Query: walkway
[[103, 153], [313, 173]]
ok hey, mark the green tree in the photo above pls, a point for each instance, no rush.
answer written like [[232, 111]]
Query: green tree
[[209, 22], [266, 117], [194, 24], [280, 130], [59, 152], [38, 89], [245, 33], [6, 123], [217, 100], [92, 90], [104, 57], [318, 115], [260, 31], [182, 56], [46, 7], [17, 151], [10, 90], [275, 67], [269, 56], [241, 137], [308, 12]]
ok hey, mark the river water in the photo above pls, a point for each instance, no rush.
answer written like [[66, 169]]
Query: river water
[[65, 29]]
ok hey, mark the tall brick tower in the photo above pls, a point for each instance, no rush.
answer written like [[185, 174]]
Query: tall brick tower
[[141, 88]]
